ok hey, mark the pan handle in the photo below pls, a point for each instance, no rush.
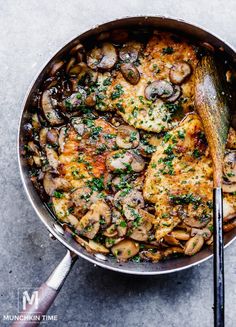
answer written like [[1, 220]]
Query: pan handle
[[46, 294]]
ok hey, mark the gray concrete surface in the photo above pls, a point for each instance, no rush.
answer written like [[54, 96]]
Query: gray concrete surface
[[30, 31]]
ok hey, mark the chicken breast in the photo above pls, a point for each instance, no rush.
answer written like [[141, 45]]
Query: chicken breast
[[179, 178], [161, 53]]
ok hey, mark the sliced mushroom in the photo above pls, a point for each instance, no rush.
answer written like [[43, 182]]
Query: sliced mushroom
[[32, 147], [228, 210], [75, 100], [229, 225], [180, 235], [151, 256], [102, 58], [52, 157], [138, 163], [111, 241], [83, 198], [230, 166], [140, 233], [171, 240], [110, 231], [159, 89], [52, 137], [43, 137], [130, 73], [127, 137], [61, 138], [97, 247], [134, 199], [90, 101], [130, 52], [118, 161], [35, 122], [89, 224], [121, 227], [79, 51], [172, 251], [197, 222], [176, 94], [78, 125], [205, 232], [179, 72], [28, 131], [52, 184], [49, 109], [194, 245], [125, 249], [56, 67]]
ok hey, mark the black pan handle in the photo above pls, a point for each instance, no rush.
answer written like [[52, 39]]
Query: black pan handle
[[219, 296], [46, 294]]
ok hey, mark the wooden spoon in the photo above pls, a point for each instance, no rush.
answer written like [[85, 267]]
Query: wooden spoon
[[211, 105]]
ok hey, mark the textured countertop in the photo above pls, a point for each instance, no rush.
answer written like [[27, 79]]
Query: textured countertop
[[30, 32]]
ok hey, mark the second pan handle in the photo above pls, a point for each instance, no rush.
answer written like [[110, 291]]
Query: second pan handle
[[46, 293]]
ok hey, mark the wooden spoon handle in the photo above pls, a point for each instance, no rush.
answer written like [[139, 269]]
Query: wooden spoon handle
[[219, 296]]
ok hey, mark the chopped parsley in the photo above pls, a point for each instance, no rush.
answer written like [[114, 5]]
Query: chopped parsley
[[167, 50]]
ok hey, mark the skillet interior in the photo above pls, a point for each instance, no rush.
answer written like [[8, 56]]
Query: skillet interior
[[144, 268]]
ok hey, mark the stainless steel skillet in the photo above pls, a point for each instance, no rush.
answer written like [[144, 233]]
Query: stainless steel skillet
[[49, 290]]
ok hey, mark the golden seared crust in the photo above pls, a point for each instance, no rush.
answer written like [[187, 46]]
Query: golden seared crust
[[179, 176], [155, 63], [81, 159]]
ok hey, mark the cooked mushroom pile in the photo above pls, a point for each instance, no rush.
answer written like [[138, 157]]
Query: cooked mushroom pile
[[117, 152]]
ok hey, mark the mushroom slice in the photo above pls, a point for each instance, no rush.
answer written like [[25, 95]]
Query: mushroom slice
[[97, 247], [35, 122], [49, 110], [159, 89], [52, 137], [131, 204], [89, 224], [43, 137], [205, 232], [125, 249], [118, 161], [179, 72], [78, 125], [229, 225], [228, 210], [130, 52], [83, 198], [111, 241], [180, 235], [151, 256], [134, 199], [194, 245], [51, 184], [230, 166], [56, 67], [140, 233], [121, 227], [173, 251], [102, 58], [127, 137], [90, 101], [32, 147], [197, 222], [171, 240], [138, 163], [61, 138], [52, 157], [110, 231], [176, 94], [75, 100], [130, 73]]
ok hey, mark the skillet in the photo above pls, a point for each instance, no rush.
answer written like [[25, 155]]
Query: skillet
[[50, 289]]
